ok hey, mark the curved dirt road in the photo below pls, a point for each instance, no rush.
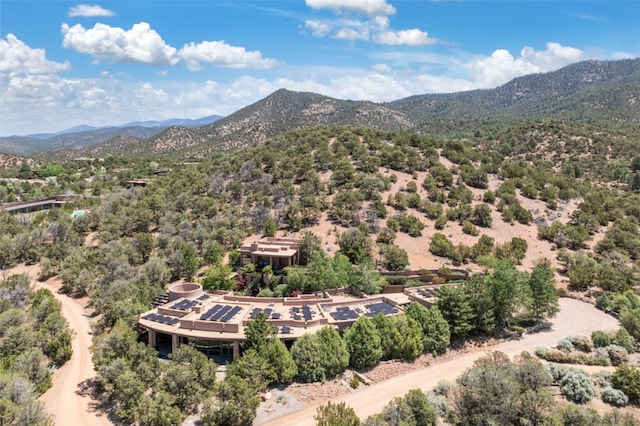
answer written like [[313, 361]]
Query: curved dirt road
[[575, 318], [65, 399]]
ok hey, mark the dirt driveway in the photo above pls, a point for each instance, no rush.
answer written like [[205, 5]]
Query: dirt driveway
[[575, 318], [66, 400]]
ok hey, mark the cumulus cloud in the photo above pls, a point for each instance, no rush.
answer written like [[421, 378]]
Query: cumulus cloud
[[222, 54], [16, 56], [140, 44], [90, 10], [501, 66], [375, 28], [370, 7], [412, 37], [148, 95]]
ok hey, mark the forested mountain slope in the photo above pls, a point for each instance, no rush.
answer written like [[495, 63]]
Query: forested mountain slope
[[597, 93]]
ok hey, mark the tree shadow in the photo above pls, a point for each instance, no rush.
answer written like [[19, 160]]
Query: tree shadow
[[99, 404]]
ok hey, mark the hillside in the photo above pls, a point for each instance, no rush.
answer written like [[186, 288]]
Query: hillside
[[602, 93]]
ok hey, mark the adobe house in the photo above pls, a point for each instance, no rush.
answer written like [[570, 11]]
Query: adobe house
[[279, 252], [214, 322]]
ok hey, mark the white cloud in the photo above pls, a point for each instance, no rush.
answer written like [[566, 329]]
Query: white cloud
[[222, 54], [413, 37], [370, 7], [319, 28], [140, 44], [361, 33], [376, 29], [148, 95], [16, 56], [90, 10], [501, 66]]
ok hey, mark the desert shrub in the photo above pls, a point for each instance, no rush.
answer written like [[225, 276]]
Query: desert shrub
[[442, 388], [565, 345], [556, 371], [602, 378], [581, 343], [617, 354], [469, 228], [437, 402], [577, 387], [602, 353], [614, 397], [554, 355], [600, 339]]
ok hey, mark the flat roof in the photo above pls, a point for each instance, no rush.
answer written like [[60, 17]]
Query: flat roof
[[214, 316]]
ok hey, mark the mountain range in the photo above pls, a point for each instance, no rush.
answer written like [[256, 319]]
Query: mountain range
[[86, 136], [602, 93]]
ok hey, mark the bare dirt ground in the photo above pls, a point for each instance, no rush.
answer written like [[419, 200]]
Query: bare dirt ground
[[574, 318], [69, 400]]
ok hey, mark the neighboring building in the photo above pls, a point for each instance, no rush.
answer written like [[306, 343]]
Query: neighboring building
[[214, 322], [34, 206], [279, 252]]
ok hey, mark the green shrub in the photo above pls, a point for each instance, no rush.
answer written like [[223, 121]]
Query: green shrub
[[624, 339], [354, 382], [600, 339]]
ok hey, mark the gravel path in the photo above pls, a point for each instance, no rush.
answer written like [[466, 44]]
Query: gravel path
[[574, 318]]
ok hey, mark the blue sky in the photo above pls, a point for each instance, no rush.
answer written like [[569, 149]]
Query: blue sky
[[63, 64]]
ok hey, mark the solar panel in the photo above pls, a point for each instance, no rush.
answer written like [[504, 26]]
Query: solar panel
[[231, 313], [220, 313], [255, 312], [204, 297], [286, 330], [210, 312], [307, 312], [275, 315]]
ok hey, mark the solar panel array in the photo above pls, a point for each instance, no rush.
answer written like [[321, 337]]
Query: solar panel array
[[185, 304], [380, 308], [286, 330], [269, 313], [344, 313], [163, 319], [428, 292], [221, 313], [298, 313]]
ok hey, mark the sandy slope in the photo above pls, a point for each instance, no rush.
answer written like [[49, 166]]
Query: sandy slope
[[67, 400], [575, 318]]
